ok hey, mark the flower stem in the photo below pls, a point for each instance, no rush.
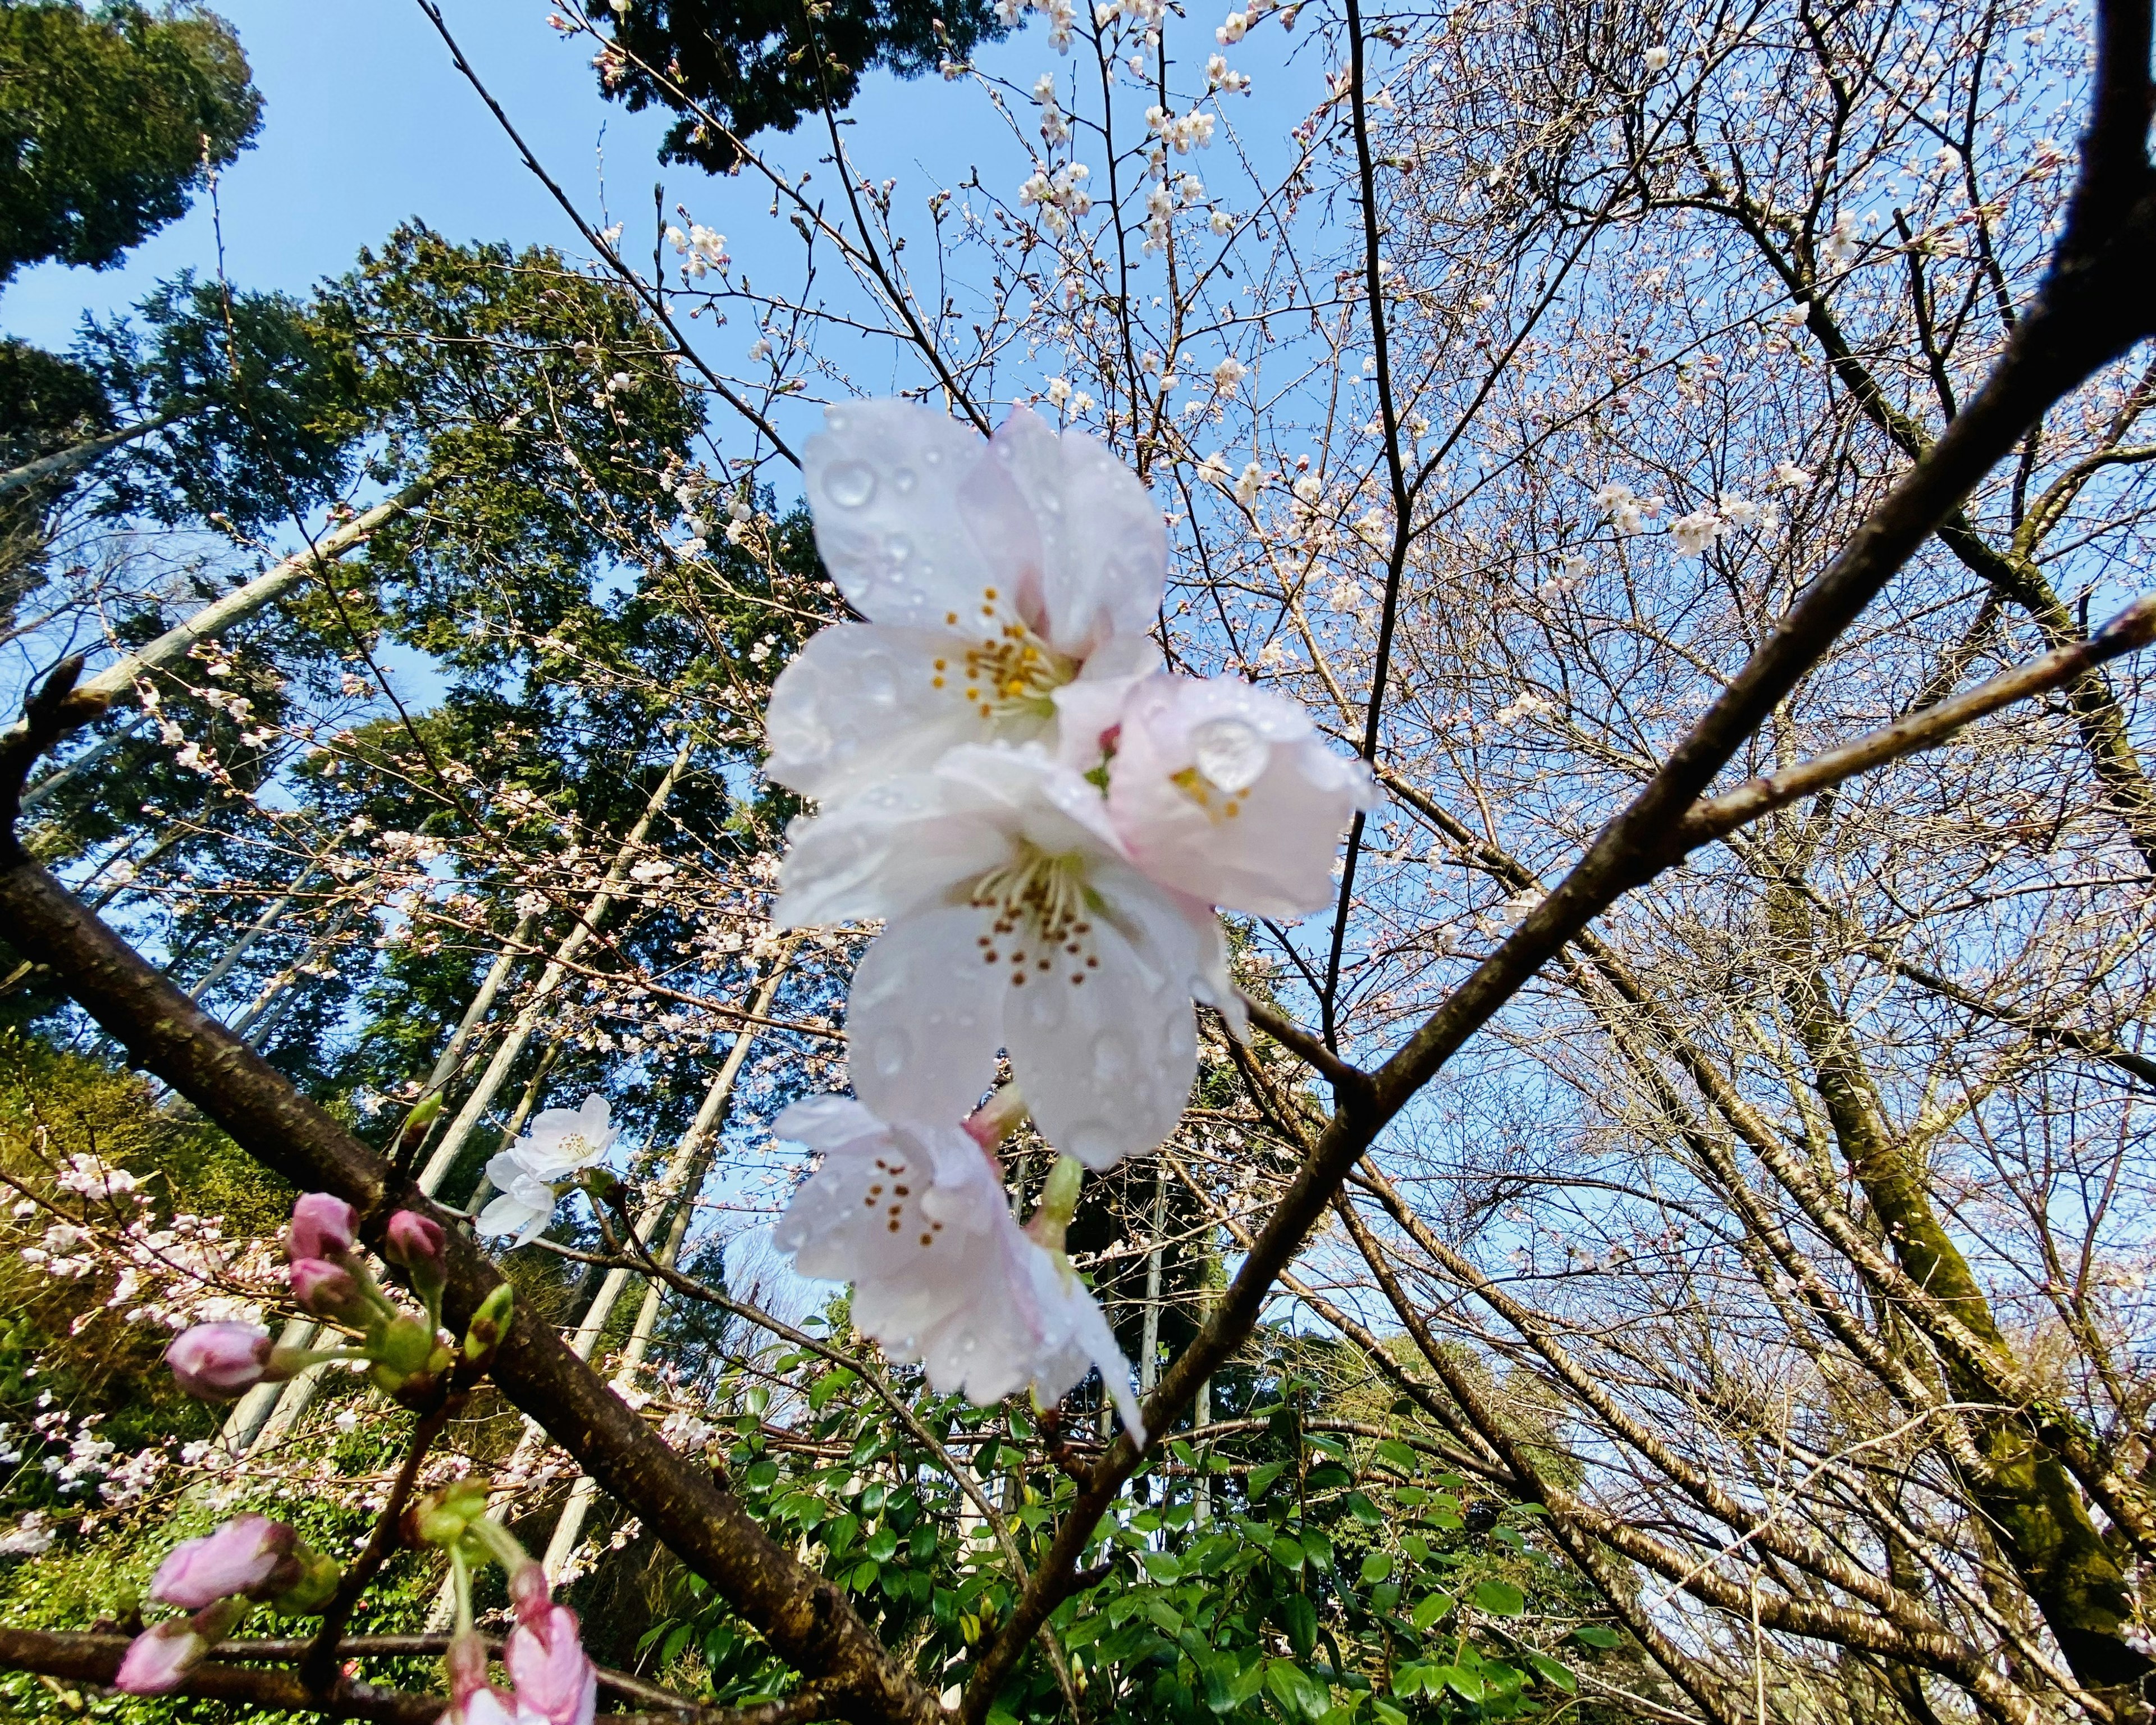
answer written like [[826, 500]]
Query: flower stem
[[1059, 1202]]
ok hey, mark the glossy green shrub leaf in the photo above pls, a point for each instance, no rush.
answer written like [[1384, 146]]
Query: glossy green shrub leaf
[[1299, 1618], [1500, 1599]]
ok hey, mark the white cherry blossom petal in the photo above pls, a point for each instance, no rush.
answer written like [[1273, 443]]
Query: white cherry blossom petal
[[902, 846], [1102, 1040], [884, 479], [1104, 544], [561, 1140], [1226, 791], [923, 1016], [863, 702]]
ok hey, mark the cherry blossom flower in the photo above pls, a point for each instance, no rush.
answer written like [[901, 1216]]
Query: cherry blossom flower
[[323, 1226], [554, 1679], [916, 1217], [1693, 533], [158, 1660], [991, 573], [1013, 919], [561, 1142], [1222, 790]]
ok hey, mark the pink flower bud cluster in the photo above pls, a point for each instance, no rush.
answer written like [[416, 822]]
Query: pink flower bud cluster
[[215, 1580], [220, 1361]]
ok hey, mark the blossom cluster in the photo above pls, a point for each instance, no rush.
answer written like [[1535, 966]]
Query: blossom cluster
[[1044, 822], [529, 1175]]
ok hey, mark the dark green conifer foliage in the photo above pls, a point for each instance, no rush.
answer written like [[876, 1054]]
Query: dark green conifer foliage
[[110, 121], [758, 65]]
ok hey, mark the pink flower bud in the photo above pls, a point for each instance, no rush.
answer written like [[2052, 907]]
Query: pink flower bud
[[531, 1594], [158, 1660], [547, 1662], [473, 1701], [218, 1362], [420, 1246], [323, 1226], [243, 1555], [325, 1288]]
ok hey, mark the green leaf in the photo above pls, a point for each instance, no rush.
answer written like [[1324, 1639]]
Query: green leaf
[[1500, 1599], [1288, 1553], [1500, 1681], [1300, 1618], [1441, 1516], [1429, 1608], [882, 1544], [1377, 1565], [1464, 1684], [1550, 1671], [1161, 1565], [1301, 1696], [1164, 1616], [1319, 1547], [675, 1642], [1262, 1478], [1328, 1478], [828, 1385], [1365, 1511], [1399, 1453], [1385, 1712], [764, 1474], [1216, 1678], [1594, 1635], [865, 1577]]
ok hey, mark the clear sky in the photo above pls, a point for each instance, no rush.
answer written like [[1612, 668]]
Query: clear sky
[[366, 123]]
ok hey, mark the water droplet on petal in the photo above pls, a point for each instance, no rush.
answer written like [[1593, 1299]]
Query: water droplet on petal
[[892, 1050], [1111, 1058], [878, 681], [902, 480], [850, 483], [1093, 1144], [897, 549], [1229, 753]]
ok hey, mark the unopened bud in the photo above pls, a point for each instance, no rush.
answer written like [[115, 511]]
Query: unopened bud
[[444, 1517], [420, 1247], [323, 1226], [327, 1290], [488, 1325]]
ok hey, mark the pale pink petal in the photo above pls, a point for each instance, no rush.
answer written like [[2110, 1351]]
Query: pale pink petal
[[862, 703], [1224, 792], [921, 1024], [1104, 1052]]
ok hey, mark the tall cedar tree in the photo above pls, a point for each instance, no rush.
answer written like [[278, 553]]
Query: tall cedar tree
[[109, 120], [732, 69]]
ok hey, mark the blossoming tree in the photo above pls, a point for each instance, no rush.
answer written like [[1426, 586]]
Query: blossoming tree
[[1644, 625]]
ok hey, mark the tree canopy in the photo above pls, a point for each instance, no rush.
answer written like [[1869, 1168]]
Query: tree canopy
[[110, 121]]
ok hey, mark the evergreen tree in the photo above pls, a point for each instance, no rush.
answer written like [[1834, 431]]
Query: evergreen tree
[[109, 122], [732, 70]]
